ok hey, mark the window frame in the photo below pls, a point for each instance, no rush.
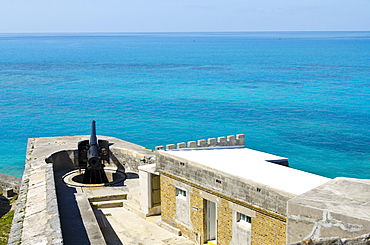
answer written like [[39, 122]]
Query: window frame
[[244, 219], [181, 193]]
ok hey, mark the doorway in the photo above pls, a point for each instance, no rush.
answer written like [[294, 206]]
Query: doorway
[[156, 191], [211, 221]]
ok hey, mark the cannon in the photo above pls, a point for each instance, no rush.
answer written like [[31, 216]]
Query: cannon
[[91, 154]]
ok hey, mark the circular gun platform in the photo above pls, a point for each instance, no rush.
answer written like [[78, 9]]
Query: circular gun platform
[[74, 178]]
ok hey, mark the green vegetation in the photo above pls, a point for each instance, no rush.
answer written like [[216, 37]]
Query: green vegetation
[[6, 223]]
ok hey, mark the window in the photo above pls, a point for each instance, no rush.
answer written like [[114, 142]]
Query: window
[[182, 206], [242, 229], [180, 193], [244, 218]]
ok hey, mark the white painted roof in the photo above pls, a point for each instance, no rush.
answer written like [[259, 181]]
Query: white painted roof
[[251, 164]]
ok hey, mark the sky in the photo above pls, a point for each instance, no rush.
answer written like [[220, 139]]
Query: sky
[[24, 16]]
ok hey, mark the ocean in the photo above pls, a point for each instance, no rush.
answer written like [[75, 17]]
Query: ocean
[[300, 95]]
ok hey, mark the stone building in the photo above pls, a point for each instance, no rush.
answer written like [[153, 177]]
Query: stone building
[[219, 192]]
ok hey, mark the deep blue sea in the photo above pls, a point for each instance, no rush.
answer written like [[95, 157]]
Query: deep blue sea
[[301, 95]]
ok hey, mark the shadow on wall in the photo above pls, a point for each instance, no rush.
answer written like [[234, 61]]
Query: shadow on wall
[[73, 229], [110, 236], [115, 160], [68, 160], [61, 160], [4, 206]]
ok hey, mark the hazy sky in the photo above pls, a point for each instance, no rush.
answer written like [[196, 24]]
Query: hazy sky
[[182, 15]]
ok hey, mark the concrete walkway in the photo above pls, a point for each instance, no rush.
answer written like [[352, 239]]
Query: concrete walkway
[[126, 224], [125, 227]]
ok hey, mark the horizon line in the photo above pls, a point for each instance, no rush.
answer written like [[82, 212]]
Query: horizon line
[[261, 31]]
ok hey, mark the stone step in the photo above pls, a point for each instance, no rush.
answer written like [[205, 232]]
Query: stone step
[[108, 198], [132, 207], [157, 220], [107, 204], [134, 200]]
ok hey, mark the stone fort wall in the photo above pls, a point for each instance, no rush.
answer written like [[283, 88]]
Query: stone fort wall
[[37, 201]]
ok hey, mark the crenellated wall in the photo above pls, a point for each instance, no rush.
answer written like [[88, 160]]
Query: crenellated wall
[[230, 140]]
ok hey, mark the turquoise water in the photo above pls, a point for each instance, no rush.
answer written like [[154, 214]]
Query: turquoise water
[[301, 95]]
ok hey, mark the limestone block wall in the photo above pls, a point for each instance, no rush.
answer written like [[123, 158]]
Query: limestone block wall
[[268, 230], [197, 216], [224, 222], [231, 140], [266, 205], [265, 227], [168, 197], [247, 191], [131, 159], [194, 229]]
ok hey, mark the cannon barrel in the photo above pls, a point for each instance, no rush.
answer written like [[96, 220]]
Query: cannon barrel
[[93, 138], [91, 154]]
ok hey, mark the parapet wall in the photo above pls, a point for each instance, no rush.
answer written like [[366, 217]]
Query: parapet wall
[[36, 218], [131, 159], [123, 155], [230, 140]]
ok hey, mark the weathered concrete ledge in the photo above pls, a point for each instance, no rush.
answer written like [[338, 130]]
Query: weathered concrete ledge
[[361, 240], [340, 206], [36, 219], [92, 228]]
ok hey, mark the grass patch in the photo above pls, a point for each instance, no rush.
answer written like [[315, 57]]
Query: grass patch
[[5, 225]]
